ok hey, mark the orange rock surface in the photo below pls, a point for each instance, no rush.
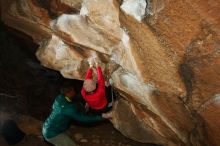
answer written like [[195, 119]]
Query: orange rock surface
[[166, 66]]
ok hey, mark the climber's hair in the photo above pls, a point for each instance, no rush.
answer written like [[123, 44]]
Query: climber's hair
[[67, 86]]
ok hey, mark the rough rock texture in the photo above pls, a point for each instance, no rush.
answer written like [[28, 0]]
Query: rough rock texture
[[166, 67]]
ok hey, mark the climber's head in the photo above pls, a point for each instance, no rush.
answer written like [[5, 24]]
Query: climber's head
[[89, 85], [68, 89]]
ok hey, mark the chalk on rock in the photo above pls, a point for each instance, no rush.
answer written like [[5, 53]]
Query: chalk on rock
[[84, 11], [135, 8]]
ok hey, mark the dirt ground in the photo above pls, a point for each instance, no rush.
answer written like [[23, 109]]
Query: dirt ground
[[101, 135]]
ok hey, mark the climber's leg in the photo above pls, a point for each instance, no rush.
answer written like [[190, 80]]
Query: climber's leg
[[61, 140], [109, 96]]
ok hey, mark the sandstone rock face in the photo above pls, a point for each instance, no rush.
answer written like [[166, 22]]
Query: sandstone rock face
[[163, 56]]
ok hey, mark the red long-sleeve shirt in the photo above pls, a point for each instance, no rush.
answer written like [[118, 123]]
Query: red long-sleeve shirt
[[96, 100]]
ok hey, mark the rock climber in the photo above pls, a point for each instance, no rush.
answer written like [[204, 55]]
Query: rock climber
[[64, 111], [98, 97]]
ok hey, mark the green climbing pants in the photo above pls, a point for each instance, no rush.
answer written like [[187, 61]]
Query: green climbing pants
[[61, 140]]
